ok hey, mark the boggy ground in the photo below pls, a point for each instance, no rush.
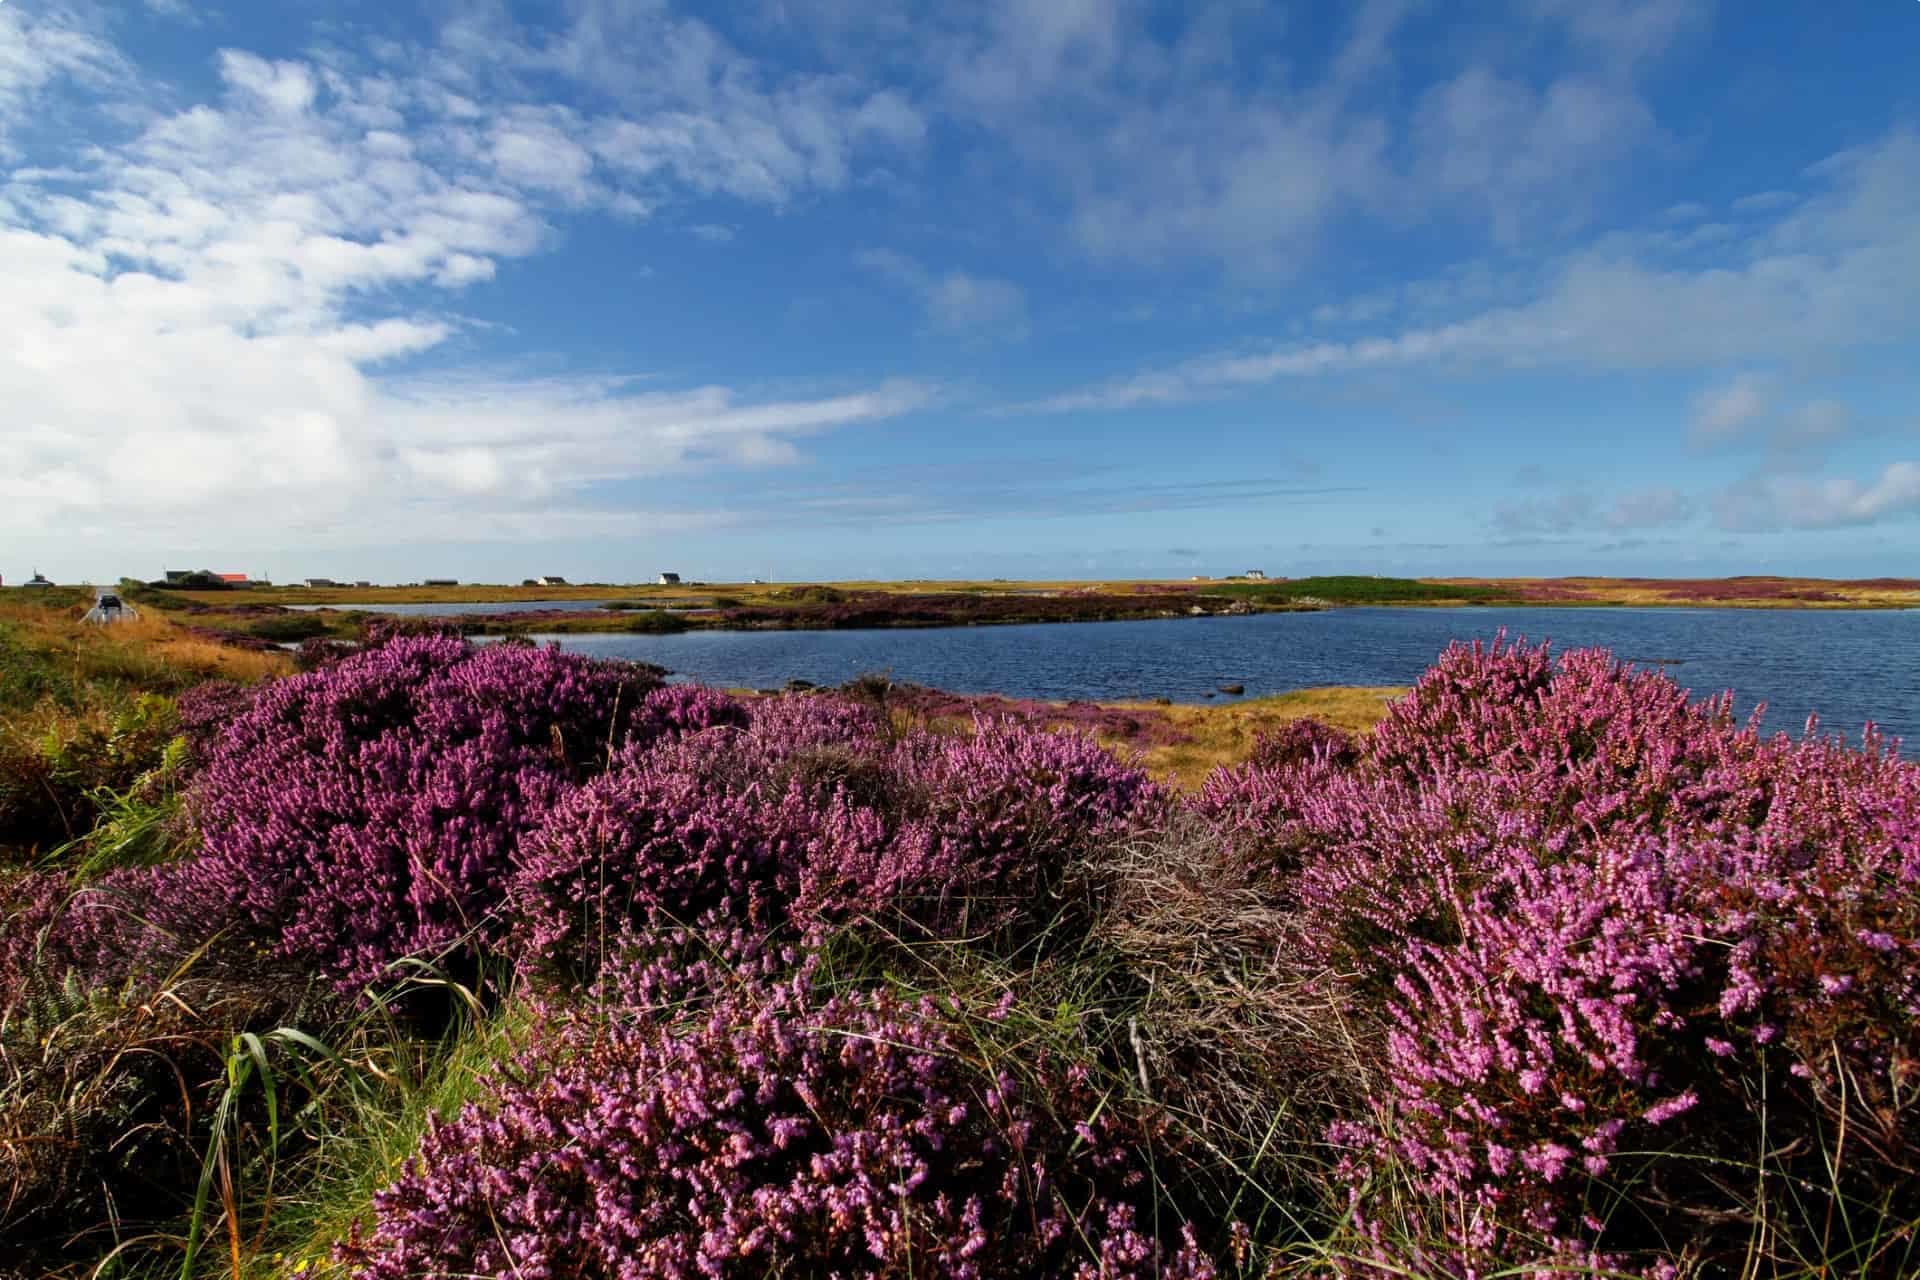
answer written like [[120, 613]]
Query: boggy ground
[[442, 961]]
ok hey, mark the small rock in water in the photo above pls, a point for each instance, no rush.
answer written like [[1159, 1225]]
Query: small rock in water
[[1235, 689], [799, 686]]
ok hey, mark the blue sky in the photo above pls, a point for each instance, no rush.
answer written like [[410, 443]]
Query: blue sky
[[1029, 288]]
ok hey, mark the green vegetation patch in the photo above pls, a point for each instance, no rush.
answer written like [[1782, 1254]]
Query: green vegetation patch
[[1356, 589]]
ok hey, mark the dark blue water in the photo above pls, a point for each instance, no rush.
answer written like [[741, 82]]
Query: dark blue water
[[1850, 666], [457, 609]]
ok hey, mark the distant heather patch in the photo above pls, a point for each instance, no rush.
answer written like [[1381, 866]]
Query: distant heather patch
[[1136, 726]]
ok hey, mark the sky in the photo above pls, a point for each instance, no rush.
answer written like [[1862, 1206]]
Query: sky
[[1024, 288]]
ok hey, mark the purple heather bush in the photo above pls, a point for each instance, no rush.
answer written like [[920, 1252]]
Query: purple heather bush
[[369, 810], [33, 943], [808, 818], [206, 710], [778, 1132], [989, 822], [1602, 925], [1306, 738], [677, 710], [663, 839]]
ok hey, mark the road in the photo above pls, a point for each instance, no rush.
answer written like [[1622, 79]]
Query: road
[[109, 607]]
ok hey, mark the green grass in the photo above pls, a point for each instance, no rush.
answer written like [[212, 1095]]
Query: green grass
[[1352, 589], [382, 1090]]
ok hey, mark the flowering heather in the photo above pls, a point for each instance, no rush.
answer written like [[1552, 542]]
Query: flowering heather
[[994, 816], [661, 840], [1604, 922], [1136, 726], [806, 818], [1304, 739], [780, 1133], [206, 710], [674, 710], [368, 811]]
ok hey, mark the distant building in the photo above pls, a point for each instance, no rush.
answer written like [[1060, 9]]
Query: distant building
[[38, 580], [668, 580], [1255, 575], [321, 582], [551, 580], [441, 582], [364, 582], [234, 579]]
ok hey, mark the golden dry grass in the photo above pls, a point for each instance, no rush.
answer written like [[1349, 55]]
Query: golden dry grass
[[1224, 733], [149, 651]]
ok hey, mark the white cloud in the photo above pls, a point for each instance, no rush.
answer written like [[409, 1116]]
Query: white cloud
[[1820, 502], [282, 88], [535, 149], [204, 330]]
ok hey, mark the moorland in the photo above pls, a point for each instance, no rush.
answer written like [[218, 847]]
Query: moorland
[[424, 959]]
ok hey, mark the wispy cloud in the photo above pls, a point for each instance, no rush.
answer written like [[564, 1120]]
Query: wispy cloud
[[1827, 276], [1726, 411], [956, 302]]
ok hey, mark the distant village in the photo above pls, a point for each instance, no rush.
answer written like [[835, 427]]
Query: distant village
[[210, 580]]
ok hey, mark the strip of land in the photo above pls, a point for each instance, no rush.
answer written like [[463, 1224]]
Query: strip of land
[[268, 615]]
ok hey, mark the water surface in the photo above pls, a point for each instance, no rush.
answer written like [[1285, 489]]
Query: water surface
[[456, 608], [1849, 665]]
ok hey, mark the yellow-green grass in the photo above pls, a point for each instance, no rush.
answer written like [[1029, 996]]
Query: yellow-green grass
[[151, 651], [1223, 733]]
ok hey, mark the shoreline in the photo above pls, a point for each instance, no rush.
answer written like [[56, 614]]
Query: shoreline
[[249, 616]]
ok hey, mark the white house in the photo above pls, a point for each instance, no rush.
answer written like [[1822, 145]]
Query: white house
[[667, 580]]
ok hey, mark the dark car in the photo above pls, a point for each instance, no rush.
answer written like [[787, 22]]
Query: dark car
[[107, 602]]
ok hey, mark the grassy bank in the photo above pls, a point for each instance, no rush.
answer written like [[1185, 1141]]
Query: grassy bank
[[87, 712]]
